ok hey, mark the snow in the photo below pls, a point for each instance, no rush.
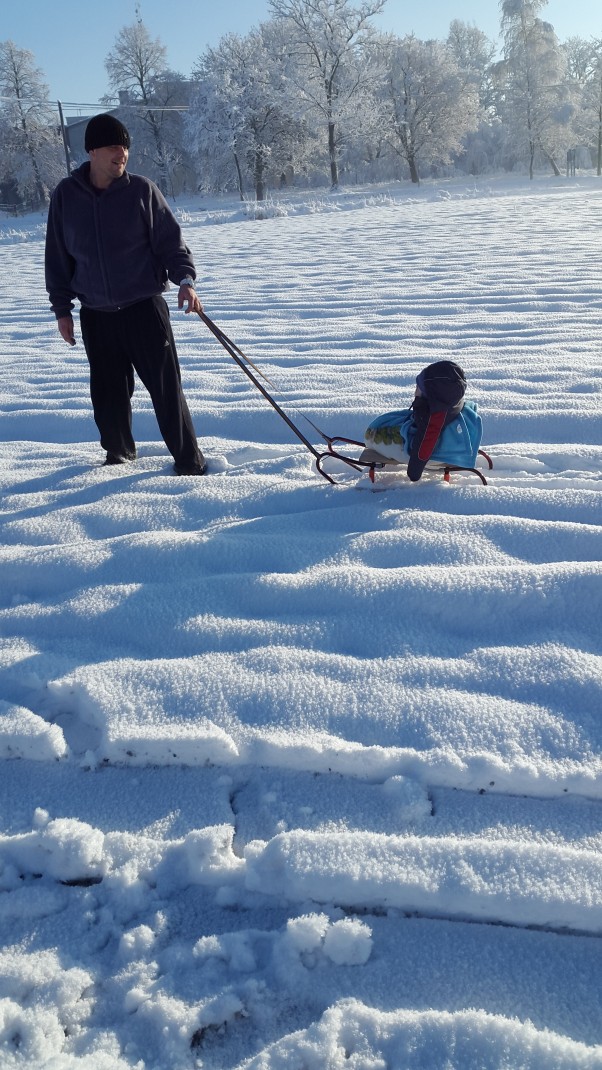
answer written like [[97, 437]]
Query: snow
[[299, 775]]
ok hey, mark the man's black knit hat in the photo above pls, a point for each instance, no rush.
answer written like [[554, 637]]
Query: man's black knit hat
[[106, 130]]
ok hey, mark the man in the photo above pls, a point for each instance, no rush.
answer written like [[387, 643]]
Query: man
[[112, 242]]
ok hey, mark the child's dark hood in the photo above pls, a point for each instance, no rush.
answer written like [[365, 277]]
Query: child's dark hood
[[443, 384]]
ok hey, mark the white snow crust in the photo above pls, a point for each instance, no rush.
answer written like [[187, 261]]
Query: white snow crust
[[301, 776]]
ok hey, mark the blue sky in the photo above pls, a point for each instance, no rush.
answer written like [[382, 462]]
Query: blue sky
[[70, 40]]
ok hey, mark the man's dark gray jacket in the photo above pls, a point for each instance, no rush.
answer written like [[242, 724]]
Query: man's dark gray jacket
[[113, 247]]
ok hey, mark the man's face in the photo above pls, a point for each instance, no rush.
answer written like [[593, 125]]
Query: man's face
[[109, 162]]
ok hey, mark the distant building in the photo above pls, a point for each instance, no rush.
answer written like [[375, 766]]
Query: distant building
[[75, 131]]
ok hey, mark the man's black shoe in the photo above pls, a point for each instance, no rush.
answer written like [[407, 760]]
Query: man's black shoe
[[118, 458], [198, 469]]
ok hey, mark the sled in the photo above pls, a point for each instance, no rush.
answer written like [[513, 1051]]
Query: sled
[[368, 459], [374, 461]]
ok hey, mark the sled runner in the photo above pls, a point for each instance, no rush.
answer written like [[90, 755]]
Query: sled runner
[[430, 448], [373, 461]]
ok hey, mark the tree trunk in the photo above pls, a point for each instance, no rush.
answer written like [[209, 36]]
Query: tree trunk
[[531, 136], [39, 185], [332, 152], [413, 170], [241, 186], [150, 119], [551, 160], [599, 166], [41, 192], [553, 164], [163, 182], [259, 179]]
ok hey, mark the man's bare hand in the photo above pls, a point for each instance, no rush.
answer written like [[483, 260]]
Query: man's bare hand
[[188, 296], [65, 326]]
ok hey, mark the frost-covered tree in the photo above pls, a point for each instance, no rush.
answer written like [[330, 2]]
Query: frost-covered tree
[[580, 56], [430, 104], [238, 117], [474, 53], [211, 132], [329, 70], [584, 65], [593, 100], [139, 75], [533, 98], [159, 132], [31, 154]]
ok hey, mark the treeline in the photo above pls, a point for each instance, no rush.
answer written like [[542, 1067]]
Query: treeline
[[317, 95]]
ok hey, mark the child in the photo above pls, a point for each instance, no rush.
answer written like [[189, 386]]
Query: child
[[440, 425]]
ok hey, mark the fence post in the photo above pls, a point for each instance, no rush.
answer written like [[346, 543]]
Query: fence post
[[65, 138]]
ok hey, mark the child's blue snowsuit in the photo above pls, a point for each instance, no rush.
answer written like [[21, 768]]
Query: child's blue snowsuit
[[392, 434], [440, 426]]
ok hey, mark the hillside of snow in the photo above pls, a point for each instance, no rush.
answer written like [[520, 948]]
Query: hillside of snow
[[302, 776]]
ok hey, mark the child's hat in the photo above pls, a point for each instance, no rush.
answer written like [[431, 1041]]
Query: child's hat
[[443, 384]]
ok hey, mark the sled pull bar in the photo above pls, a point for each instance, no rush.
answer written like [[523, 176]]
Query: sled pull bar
[[245, 364], [230, 345]]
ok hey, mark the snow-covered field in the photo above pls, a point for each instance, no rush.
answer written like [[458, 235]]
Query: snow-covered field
[[298, 776]]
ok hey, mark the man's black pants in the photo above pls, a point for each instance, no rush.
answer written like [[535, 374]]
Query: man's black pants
[[137, 337]]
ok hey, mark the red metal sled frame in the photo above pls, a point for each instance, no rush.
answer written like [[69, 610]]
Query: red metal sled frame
[[373, 466]]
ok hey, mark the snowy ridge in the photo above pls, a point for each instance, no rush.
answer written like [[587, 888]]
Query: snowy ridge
[[295, 775], [511, 883]]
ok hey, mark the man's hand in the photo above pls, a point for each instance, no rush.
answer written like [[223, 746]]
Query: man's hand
[[188, 296], [65, 326]]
